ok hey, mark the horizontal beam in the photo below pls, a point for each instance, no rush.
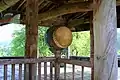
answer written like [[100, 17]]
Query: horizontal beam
[[4, 4], [81, 27], [65, 9], [75, 62], [58, 21], [25, 60], [118, 2]]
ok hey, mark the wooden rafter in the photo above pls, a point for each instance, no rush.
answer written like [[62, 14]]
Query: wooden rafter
[[4, 4], [65, 9], [118, 2], [21, 4]]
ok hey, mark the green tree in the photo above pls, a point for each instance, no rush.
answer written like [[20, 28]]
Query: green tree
[[81, 44], [18, 43], [118, 52], [4, 51], [42, 46], [1, 52]]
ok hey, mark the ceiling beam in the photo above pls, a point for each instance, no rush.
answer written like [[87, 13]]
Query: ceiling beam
[[118, 2], [58, 21], [73, 1], [81, 27], [4, 4], [65, 9]]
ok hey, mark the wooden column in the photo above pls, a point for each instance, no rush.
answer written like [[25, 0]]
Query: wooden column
[[91, 45], [105, 29], [57, 65], [31, 35]]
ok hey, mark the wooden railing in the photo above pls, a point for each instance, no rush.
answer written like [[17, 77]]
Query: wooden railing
[[21, 61], [75, 63], [13, 62]]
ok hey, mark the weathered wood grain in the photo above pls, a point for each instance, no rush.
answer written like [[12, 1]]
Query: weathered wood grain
[[4, 4], [45, 70], [91, 45], [39, 71], [51, 70], [75, 62], [65, 9], [31, 35], [57, 64], [5, 72], [105, 29], [82, 72], [64, 71], [13, 72], [23, 61], [73, 72], [20, 71]]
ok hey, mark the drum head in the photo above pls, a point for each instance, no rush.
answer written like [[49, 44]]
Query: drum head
[[62, 37]]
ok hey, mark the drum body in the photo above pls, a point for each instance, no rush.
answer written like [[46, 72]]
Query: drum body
[[58, 38]]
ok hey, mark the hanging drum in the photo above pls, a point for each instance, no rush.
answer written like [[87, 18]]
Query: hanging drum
[[58, 37]]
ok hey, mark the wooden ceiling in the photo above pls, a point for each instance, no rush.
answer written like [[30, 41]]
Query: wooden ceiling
[[72, 13]]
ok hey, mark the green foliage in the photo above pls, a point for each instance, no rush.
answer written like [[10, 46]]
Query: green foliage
[[18, 43], [4, 51], [43, 48], [118, 52], [81, 44]]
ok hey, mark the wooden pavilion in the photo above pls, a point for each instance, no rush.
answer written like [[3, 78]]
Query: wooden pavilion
[[98, 16]]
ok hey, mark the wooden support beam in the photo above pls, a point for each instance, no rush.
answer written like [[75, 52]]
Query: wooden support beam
[[76, 22], [75, 62], [118, 2], [74, 1], [91, 45], [53, 17], [105, 32], [65, 9], [81, 27], [57, 65], [25, 60], [58, 21], [4, 4], [31, 35], [31, 28]]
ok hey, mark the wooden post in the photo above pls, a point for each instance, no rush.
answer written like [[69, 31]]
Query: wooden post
[[57, 65], [65, 71], [5, 72], [31, 34], [91, 45], [73, 72], [105, 29], [82, 78]]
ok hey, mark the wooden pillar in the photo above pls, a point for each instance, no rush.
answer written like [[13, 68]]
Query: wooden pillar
[[31, 35], [57, 65], [105, 29], [91, 45]]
